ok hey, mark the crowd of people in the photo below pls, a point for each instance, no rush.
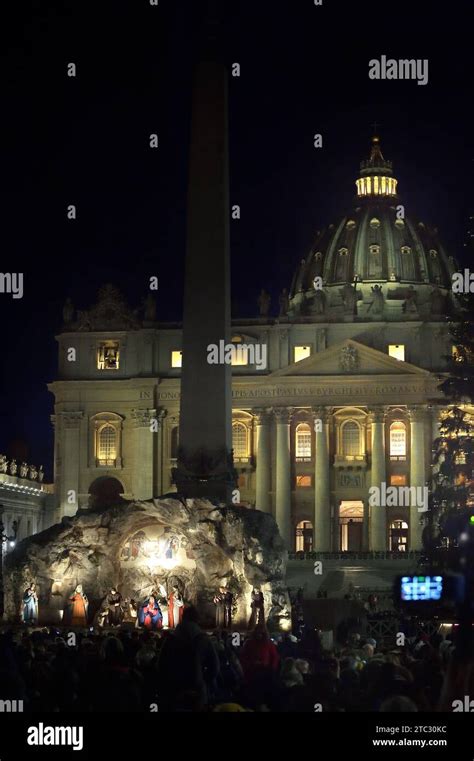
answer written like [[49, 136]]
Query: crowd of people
[[187, 669]]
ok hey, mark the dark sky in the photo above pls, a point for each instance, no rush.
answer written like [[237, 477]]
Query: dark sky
[[304, 69]]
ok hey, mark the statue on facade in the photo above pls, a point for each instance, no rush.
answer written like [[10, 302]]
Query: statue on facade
[[349, 298], [40, 473], [13, 467], [284, 303], [149, 308], [436, 301], [68, 311], [263, 302], [319, 301], [410, 304], [33, 473], [257, 615], [29, 614], [377, 300], [23, 470], [3, 463]]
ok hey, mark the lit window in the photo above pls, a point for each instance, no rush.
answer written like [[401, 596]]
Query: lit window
[[303, 441], [176, 358], [398, 480], [106, 445], [303, 481], [350, 439], [398, 439], [240, 441], [304, 536], [460, 458], [397, 351], [374, 222], [108, 356], [240, 356], [301, 352]]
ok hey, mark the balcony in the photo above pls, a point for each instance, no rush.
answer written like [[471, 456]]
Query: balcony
[[353, 461]]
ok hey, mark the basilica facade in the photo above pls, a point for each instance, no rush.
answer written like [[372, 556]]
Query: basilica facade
[[347, 399]]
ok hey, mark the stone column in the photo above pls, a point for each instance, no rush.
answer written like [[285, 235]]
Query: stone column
[[146, 426], [322, 507], [283, 474], [263, 471], [417, 474], [70, 439], [378, 476]]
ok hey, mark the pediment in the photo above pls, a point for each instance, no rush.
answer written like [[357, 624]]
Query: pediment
[[350, 358]]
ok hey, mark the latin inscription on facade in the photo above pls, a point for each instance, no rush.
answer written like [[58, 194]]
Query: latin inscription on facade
[[333, 391]]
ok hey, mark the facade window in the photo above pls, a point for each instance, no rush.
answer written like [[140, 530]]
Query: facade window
[[240, 441], [398, 440], [304, 537], [303, 442], [398, 480], [460, 458], [301, 352], [303, 481], [350, 439], [106, 452], [108, 355], [406, 250], [398, 536], [176, 358], [397, 351]]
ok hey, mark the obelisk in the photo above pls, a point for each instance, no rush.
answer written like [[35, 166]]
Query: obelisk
[[204, 467]]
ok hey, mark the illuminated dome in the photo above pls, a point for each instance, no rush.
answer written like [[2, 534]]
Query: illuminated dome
[[379, 253]]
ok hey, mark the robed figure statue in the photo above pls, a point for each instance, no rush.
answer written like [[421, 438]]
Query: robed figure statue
[[29, 613], [257, 615], [78, 607], [175, 608], [150, 614], [115, 611]]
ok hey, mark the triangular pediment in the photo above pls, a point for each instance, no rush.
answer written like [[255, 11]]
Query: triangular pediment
[[350, 358]]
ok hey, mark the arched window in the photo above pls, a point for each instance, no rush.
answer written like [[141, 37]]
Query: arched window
[[106, 445], [174, 442], [304, 537], [303, 441], [240, 441], [398, 536], [350, 439], [398, 439]]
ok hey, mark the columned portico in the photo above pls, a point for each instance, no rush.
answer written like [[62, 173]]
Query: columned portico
[[322, 509], [378, 476], [417, 474], [71, 454], [263, 467], [283, 474], [142, 419]]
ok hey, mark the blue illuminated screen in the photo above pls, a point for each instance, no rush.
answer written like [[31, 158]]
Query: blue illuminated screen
[[422, 588]]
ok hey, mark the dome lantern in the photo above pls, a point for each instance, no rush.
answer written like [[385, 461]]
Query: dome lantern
[[376, 175]]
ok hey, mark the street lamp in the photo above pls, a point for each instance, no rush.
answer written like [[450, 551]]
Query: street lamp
[[11, 539]]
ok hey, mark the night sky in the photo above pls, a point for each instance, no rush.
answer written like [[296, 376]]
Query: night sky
[[85, 141]]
